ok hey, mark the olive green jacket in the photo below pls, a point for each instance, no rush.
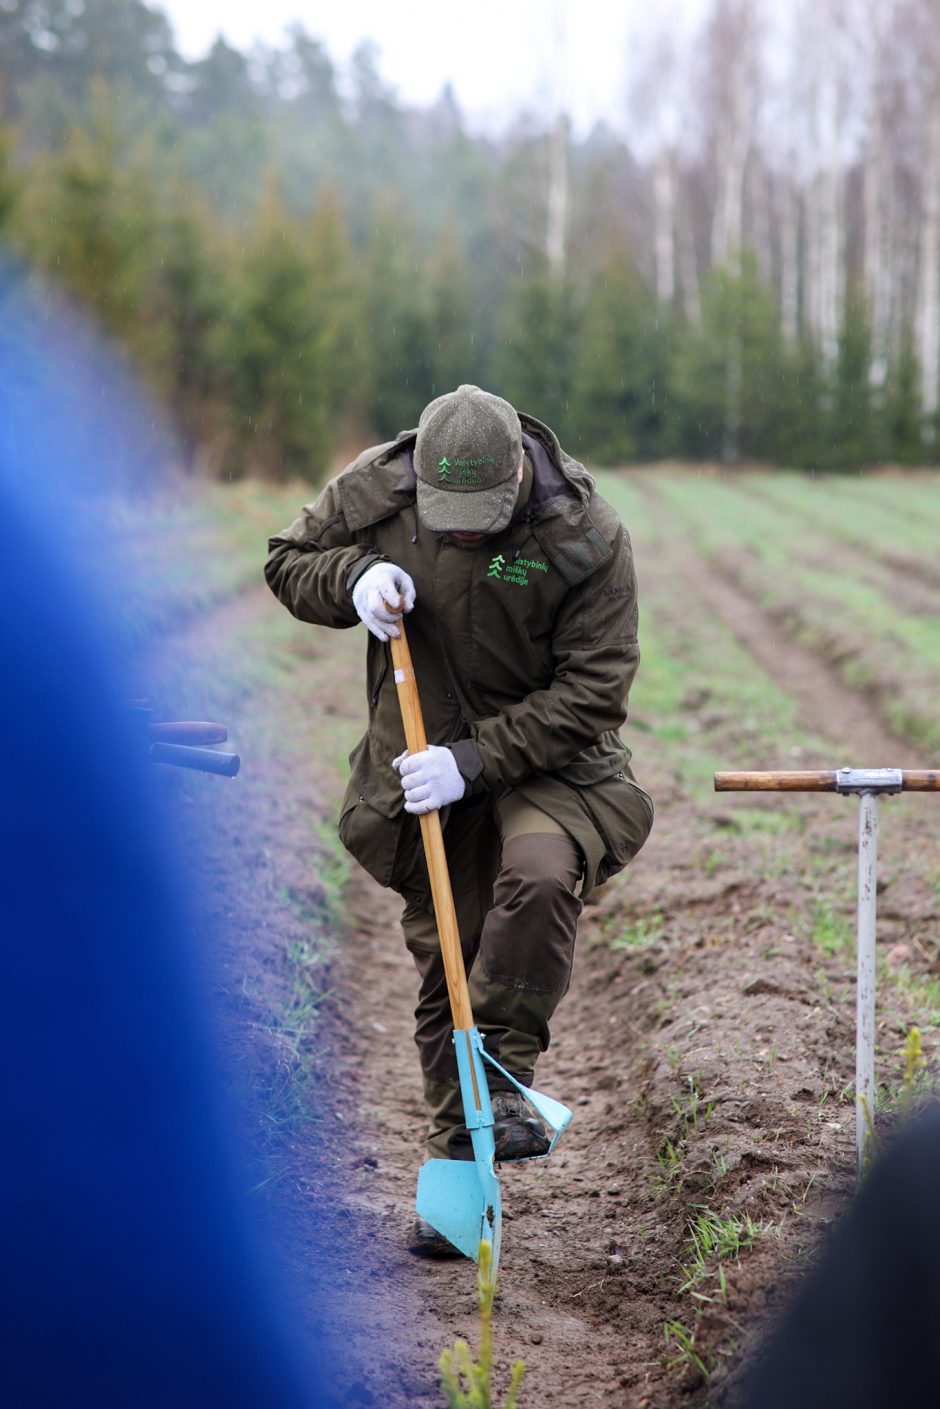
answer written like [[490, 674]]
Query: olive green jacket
[[524, 648]]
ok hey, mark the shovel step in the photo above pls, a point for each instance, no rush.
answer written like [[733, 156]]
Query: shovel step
[[555, 1115]]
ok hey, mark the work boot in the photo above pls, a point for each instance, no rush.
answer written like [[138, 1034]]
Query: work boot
[[426, 1241], [518, 1133]]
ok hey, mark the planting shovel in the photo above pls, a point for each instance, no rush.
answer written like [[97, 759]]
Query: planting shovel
[[459, 1198], [867, 784]]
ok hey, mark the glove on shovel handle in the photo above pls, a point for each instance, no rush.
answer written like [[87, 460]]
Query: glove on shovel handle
[[433, 838]]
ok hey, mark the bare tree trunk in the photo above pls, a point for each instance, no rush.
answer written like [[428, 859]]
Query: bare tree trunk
[[735, 55], [788, 224], [688, 267], [928, 300], [761, 203], [831, 235], [557, 225], [825, 80], [733, 147], [664, 192], [876, 180]]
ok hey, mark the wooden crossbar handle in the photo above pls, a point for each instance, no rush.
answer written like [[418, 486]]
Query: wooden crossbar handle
[[189, 731], [433, 838], [920, 780]]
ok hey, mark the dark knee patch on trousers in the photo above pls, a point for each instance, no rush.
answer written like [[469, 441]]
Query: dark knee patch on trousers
[[528, 938]]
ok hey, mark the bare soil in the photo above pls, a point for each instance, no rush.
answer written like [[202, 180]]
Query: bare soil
[[718, 1031]]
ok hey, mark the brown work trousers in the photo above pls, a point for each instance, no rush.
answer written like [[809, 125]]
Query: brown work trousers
[[514, 874]]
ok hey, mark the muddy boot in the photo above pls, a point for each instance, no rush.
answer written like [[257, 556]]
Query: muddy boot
[[518, 1132], [427, 1242]]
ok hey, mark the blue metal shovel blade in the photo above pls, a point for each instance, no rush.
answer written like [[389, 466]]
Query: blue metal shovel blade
[[459, 1198], [462, 1203]]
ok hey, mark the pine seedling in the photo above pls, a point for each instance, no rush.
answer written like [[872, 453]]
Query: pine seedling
[[466, 1382]]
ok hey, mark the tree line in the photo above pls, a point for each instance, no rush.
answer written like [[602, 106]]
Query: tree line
[[296, 261]]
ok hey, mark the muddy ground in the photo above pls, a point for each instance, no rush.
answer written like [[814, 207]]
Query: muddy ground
[[706, 1044]]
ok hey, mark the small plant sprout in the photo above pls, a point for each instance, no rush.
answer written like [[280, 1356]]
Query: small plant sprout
[[693, 1110], [719, 1165], [466, 1382], [682, 1355], [646, 931], [914, 1063]]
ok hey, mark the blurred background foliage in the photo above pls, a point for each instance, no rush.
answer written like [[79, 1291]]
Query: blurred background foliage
[[297, 262]]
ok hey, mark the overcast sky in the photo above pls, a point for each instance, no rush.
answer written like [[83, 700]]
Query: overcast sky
[[498, 54]]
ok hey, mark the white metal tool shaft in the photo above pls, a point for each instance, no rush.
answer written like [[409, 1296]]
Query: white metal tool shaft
[[868, 784], [865, 990]]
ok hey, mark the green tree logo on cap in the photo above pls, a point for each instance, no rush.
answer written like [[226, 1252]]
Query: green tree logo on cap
[[443, 470]]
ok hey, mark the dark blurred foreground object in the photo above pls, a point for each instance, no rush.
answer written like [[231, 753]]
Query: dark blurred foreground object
[[863, 1332], [180, 743], [132, 1274]]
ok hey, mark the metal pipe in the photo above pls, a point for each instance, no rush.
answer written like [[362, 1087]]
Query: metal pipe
[[865, 989]]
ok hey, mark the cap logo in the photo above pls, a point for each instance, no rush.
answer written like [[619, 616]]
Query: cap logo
[[464, 470]]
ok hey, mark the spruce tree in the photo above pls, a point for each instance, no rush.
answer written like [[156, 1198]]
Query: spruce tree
[[536, 335], [457, 352], [730, 369], [179, 337], [90, 217], [851, 428], [618, 381], [394, 320], [904, 441], [274, 353]]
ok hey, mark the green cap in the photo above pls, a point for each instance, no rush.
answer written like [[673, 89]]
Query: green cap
[[467, 456]]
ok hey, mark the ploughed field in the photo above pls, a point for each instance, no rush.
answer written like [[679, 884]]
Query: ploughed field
[[707, 1043]]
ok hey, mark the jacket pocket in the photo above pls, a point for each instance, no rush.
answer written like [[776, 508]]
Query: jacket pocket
[[369, 836], [389, 848]]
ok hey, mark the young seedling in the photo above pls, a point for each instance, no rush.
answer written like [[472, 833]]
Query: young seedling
[[466, 1382]]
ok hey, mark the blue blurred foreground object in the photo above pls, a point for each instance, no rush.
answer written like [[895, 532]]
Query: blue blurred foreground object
[[862, 1333], [132, 1274]]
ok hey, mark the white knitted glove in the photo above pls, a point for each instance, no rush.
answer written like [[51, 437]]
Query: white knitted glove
[[381, 586], [431, 780]]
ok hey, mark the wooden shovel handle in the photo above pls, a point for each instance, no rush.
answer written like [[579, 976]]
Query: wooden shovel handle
[[433, 838], [919, 780]]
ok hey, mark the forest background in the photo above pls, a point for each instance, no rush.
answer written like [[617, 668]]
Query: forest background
[[296, 261]]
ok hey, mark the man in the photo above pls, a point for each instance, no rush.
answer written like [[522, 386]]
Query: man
[[518, 583]]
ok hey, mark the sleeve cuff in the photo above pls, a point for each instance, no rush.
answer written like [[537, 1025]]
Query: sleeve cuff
[[362, 565], [468, 760]]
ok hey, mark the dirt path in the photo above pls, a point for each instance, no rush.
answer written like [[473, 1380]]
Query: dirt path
[[703, 1044], [907, 580], [828, 707]]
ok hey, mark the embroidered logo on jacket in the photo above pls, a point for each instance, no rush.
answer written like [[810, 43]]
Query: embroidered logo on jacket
[[516, 570]]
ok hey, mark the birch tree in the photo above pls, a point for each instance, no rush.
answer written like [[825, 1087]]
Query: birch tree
[[928, 290], [878, 190]]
